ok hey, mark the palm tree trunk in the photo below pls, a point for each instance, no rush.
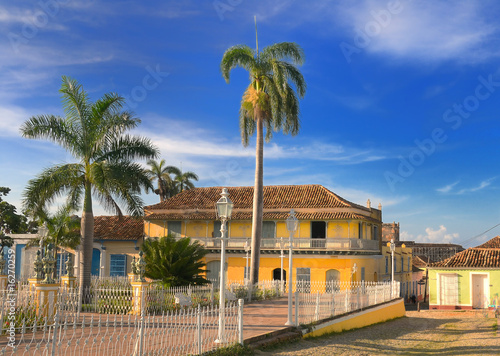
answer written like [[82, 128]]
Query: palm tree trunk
[[87, 232], [258, 201]]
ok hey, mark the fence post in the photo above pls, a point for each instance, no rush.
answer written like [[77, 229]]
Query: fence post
[[141, 335], [212, 294], [240, 321], [317, 307], [198, 330], [297, 305], [54, 334], [347, 301], [333, 304]]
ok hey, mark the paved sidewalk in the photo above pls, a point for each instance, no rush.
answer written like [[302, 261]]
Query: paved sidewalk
[[264, 317]]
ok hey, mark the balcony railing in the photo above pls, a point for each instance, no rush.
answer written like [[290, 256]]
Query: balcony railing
[[338, 244]]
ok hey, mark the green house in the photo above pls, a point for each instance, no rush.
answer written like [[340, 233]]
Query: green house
[[468, 280]]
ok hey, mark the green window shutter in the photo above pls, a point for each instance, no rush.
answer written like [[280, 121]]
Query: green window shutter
[[174, 228]]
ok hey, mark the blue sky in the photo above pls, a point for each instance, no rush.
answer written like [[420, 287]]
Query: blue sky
[[402, 105]]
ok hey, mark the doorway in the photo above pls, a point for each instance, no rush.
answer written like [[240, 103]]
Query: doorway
[[277, 275], [479, 291], [318, 233]]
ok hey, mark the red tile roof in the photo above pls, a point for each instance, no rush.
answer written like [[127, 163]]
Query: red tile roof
[[275, 197], [493, 243], [486, 255], [113, 228], [266, 216]]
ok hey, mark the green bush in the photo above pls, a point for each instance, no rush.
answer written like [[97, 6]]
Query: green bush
[[235, 350]]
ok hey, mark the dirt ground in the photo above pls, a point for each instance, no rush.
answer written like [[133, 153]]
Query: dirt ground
[[419, 333]]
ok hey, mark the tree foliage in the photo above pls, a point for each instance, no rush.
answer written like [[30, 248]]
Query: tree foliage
[[9, 219], [95, 134], [175, 262], [170, 179], [270, 102]]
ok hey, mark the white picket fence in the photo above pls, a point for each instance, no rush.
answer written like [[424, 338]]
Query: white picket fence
[[174, 332], [103, 323], [336, 298]]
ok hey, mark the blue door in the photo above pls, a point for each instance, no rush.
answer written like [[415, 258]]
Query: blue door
[[19, 251], [96, 262]]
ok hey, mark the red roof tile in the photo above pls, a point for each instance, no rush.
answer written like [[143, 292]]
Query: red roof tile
[[493, 243], [486, 255], [266, 216], [472, 258], [275, 197], [113, 228]]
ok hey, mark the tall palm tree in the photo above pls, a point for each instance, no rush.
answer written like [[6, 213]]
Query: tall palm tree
[[269, 101], [161, 173], [94, 133], [183, 180]]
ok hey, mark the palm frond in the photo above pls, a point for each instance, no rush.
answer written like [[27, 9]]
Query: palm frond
[[283, 50], [75, 101], [52, 183], [53, 128], [128, 147], [237, 56]]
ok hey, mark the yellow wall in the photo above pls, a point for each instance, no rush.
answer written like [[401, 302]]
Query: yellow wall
[[318, 267], [119, 248], [361, 319], [241, 229]]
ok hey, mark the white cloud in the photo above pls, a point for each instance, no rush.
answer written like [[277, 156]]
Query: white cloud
[[482, 185], [406, 236], [429, 31], [11, 118], [187, 139], [447, 188], [440, 235]]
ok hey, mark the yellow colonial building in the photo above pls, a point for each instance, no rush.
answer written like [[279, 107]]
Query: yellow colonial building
[[336, 239]]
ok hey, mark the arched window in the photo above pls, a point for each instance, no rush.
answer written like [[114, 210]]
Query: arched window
[[332, 278]]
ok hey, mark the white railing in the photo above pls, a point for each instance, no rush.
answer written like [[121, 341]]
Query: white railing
[[337, 244], [340, 298], [177, 331]]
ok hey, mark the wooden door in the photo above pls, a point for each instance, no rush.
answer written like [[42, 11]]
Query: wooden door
[[479, 287]]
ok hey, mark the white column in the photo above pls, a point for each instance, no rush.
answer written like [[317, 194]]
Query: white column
[[102, 263]]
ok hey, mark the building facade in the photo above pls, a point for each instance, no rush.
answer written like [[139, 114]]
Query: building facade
[[336, 239], [468, 280]]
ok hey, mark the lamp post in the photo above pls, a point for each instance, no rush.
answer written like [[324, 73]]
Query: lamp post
[[292, 225], [247, 272], [282, 255], [224, 209], [392, 246]]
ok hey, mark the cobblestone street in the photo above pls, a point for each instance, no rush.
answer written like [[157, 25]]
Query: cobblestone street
[[419, 333]]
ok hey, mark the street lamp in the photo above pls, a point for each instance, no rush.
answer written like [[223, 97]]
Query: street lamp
[[247, 271], [292, 225], [224, 209], [392, 245], [282, 255]]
